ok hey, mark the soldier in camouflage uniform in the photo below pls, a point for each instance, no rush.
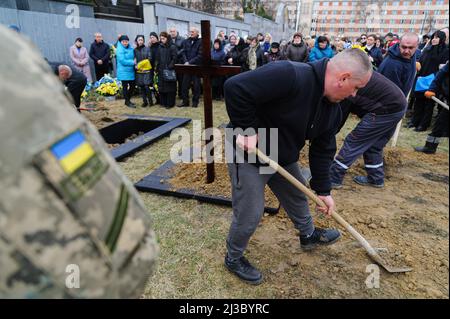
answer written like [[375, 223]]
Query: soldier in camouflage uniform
[[64, 203]]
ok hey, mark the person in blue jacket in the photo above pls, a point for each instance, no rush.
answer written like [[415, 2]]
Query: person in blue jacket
[[322, 49], [126, 64]]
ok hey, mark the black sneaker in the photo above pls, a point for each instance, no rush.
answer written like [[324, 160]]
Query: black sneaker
[[130, 104], [364, 181], [244, 270], [319, 237]]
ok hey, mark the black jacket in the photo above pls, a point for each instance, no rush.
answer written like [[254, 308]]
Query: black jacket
[[380, 96], [178, 42], [99, 51], [399, 70], [289, 96], [192, 52], [166, 58]]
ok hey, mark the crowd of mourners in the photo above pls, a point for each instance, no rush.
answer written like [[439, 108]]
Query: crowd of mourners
[[149, 63]]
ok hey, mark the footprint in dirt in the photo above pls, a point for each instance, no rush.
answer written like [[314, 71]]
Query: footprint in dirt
[[107, 119], [436, 177]]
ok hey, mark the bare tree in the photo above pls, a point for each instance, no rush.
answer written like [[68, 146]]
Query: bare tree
[[211, 6]]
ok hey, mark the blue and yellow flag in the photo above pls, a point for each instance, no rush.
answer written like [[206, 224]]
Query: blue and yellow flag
[[73, 152]]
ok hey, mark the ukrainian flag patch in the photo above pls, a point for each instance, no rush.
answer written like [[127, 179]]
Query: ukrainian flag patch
[[73, 152]]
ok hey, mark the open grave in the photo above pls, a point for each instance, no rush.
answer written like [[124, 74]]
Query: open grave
[[135, 132]]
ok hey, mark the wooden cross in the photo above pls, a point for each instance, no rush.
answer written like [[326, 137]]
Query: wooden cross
[[207, 70]]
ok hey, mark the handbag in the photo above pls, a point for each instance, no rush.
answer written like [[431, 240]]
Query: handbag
[[169, 75], [424, 82]]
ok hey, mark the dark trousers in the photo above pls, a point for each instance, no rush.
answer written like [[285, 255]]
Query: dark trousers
[[101, 70], [368, 138], [217, 88], [248, 203], [168, 99], [187, 80], [128, 89], [76, 92], [423, 111], [180, 84], [146, 94], [440, 127]]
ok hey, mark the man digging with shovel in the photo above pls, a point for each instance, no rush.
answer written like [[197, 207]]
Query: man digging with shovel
[[301, 101]]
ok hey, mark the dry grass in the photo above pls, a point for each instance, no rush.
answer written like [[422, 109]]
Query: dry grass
[[192, 238]]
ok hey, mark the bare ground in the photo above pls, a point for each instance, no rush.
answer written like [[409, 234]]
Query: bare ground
[[409, 217]]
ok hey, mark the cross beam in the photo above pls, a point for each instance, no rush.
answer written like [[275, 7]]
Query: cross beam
[[207, 70]]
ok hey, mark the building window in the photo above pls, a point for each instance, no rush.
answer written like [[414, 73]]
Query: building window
[[405, 12], [437, 12]]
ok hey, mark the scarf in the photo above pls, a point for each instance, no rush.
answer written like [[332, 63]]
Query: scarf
[[252, 60]]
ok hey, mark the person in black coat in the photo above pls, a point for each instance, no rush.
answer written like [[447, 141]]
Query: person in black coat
[[99, 52], [286, 103], [218, 57], [375, 54], [432, 57], [154, 45], [253, 56], [166, 58], [74, 80], [192, 54], [144, 78], [178, 41]]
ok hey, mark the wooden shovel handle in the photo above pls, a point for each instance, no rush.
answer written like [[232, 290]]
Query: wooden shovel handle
[[310, 194]]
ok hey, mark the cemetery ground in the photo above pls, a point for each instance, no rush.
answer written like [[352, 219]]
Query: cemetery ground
[[409, 217]]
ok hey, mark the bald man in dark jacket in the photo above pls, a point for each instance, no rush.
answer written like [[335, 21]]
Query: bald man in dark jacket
[[280, 106]]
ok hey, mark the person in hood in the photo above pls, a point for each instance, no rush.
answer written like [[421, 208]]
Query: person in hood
[[218, 57], [431, 58], [399, 65], [144, 79], [301, 101], [126, 63], [322, 49], [297, 50]]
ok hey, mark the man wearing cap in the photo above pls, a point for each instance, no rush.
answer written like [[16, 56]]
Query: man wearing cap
[[99, 53]]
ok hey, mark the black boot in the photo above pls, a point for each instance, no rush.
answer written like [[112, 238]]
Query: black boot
[[145, 104], [244, 270], [130, 104], [429, 148]]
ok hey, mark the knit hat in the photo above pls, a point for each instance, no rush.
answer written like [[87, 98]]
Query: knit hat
[[154, 34], [275, 45], [298, 34], [139, 36], [124, 37]]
